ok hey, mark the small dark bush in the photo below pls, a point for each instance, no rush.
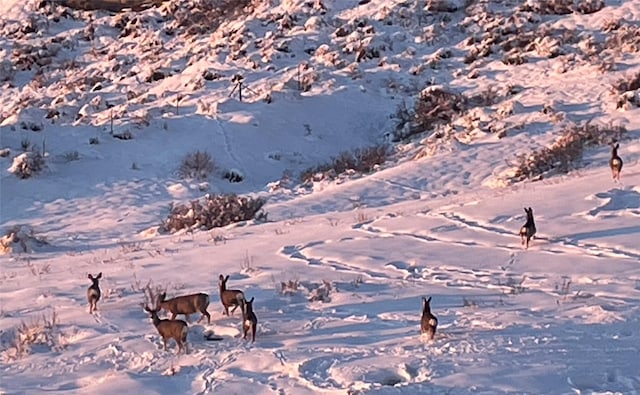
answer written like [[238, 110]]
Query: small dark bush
[[434, 107], [563, 154], [196, 165], [359, 160], [213, 211], [631, 83], [563, 7]]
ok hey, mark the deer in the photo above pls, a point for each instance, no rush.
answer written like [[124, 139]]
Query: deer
[[168, 329], [428, 322], [615, 163], [249, 320], [230, 297], [186, 304], [528, 230], [93, 292]]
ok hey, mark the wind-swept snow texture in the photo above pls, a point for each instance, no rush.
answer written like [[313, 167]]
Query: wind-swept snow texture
[[339, 268]]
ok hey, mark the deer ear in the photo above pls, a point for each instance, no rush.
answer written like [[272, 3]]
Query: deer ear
[[90, 277], [221, 277], [99, 275], [429, 300], [251, 301], [226, 278]]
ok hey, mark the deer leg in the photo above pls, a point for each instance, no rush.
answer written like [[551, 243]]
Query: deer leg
[[173, 315], [234, 309], [165, 343]]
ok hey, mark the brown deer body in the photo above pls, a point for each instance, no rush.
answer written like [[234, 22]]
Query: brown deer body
[[170, 329], [230, 297], [187, 304], [93, 292], [615, 163], [249, 320], [528, 230], [428, 322]]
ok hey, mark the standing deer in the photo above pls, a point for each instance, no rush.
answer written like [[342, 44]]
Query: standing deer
[[187, 304], [170, 329], [429, 322], [93, 292], [615, 163], [249, 320], [528, 230], [230, 297]]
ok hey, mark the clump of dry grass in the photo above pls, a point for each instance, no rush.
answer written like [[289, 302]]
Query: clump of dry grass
[[213, 211], [360, 160], [43, 331], [566, 151]]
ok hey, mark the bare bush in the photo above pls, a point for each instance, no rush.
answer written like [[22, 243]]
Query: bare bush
[[213, 211], [197, 165], [435, 106], [563, 7], [321, 292], [42, 331], [27, 164], [203, 16], [360, 160], [622, 37], [567, 151], [628, 90], [290, 287]]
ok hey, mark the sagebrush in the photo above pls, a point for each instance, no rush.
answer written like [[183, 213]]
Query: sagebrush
[[360, 160], [213, 211], [566, 151]]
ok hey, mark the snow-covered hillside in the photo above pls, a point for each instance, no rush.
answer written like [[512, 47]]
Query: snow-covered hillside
[[114, 102]]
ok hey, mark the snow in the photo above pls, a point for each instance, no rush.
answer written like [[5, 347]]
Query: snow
[[356, 254]]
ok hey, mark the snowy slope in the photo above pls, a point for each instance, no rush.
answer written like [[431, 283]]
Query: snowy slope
[[439, 219]]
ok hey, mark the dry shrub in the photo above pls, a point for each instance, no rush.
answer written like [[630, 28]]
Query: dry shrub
[[628, 84], [627, 88], [203, 16], [360, 160], [21, 239], [42, 331], [567, 151], [563, 7], [213, 211], [321, 292], [196, 165], [437, 105], [290, 287], [624, 38], [27, 164]]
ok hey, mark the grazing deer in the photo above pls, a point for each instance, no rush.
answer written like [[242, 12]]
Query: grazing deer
[[93, 292], [528, 230], [187, 304], [170, 329], [230, 297], [615, 163], [249, 320], [429, 322]]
